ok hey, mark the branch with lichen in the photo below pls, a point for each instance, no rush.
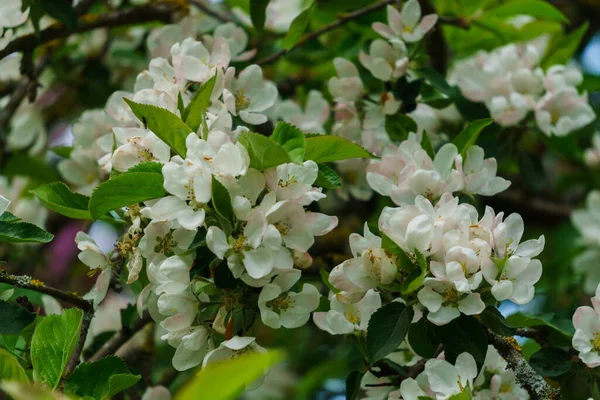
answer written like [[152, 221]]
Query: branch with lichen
[[27, 282], [530, 380]]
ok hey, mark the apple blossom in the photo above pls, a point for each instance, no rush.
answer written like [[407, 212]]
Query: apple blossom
[[344, 318], [91, 255], [406, 25], [586, 321], [314, 116], [385, 61]]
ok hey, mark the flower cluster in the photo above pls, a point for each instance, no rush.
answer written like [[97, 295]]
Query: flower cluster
[[587, 222], [586, 339], [510, 82]]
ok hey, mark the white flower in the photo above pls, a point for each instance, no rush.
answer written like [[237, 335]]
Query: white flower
[[249, 96], [156, 392], [445, 303], [592, 155], [348, 87], [237, 39], [294, 182], [193, 62], [384, 61], [586, 339], [171, 275], [280, 307], [587, 221], [192, 349], [479, 175], [4, 203], [11, 14], [234, 347], [228, 159], [163, 239], [461, 266], [586, 263], [345, 318], [562, 76], [140, 145], [314, 116], [496, 381], [561, 112], [406, 25], [91, 255]]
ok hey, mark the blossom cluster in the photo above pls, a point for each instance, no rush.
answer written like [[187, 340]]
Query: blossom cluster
[[587, 222], [511, 84], [586, 339]]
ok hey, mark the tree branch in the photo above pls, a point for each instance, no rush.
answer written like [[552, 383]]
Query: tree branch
[[75, 357], [159, 11], [120, 338], [26, 282], [344, 19], [209, 11], [535, 384]]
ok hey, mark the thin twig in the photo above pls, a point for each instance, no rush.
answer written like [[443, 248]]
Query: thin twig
[[76, 356], [119, 338], [344, 19], [209, 11], [530, 380], [26, 282]]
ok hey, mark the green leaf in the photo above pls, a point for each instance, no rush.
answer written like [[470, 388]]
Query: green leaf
[[52, 345], [125, 190], [225, 380], [164, 124], [25, 391], [264, 153], [391, 247], [353, 385], [8, 217], [36, 12], [387, 329], [469, 134], [398, 126], [20, 164], [563, 49], [438, 81], [23, 232], [101, 379], [63, 151], [327, 178], [62, 11], [536, 8], [10, 369], [551, 362], [464, 395], [194, 113], [221, 200], [492, 318], [560, 330], [297, 28], [151, 166], [463, 334], [324, 149], [13, 318], [258, 13], [180, 106], [292, 139], [422, 339], [58, 197]]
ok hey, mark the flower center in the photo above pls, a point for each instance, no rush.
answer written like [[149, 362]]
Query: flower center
[[596, 342], [166, 244], [281, 303], [241, 101], [290, 181], [240, 244]]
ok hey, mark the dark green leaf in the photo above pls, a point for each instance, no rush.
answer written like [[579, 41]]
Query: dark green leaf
[[62, 11], [560, 330], [125, 190], [258, 13], [194, 113], [551, 362], [353, 385], [221, 200], [324, 149], [297, 28], [427, 146], [8, 217], [58, 197], [23, 232], [492, 318], [463, 334], [13, 318], [101, 379], [164, 124], [438, 81], [531, 171], [264, 153], [290, 138], [398, 126], [327, 178], [468, 136], [422, 339], [387, 329]]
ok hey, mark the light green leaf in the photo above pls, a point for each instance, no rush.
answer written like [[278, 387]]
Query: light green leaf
[[297, 28], [221, 200], [166, 125], [327, 178], [264, 153], [13, 318], [326, 148], [225, 380], [63, 151], [125, 190], [292, 139], [469, 134], [563, 49], [151, 166], [26, 391], [536, 8], [101, 379], [58, 197], [23, 232], [52, 345], [387, 328], [391, 247], [10, 369], [195, 111], [258, 13], [5, 295]]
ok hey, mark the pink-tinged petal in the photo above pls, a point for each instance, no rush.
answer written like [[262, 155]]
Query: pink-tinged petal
[[383, 30], [587, 319]]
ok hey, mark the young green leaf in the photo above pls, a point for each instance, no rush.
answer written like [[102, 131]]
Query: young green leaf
[[551, 362], [221, 200], [292, 139], [391, 247], [151, 166], [101, 379], [125, 190], [387, 328], [194, 113], [264, 153], [326, 148], [463, 334], [19, 390], [563, 49], [398, 126], [327, 178], [10, 369], [58, 197], [225, 380], [427, 146], [297, 28], [469, 134], [536, 8], [166, 125], [13, 318], [258, 10], [52, 345], [63, 151], [23, 232]]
